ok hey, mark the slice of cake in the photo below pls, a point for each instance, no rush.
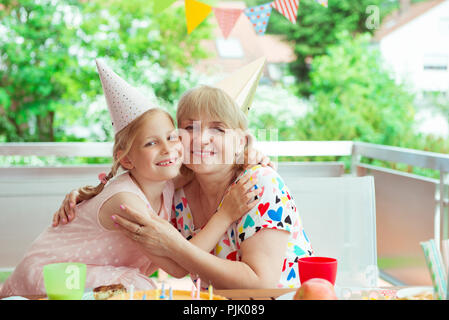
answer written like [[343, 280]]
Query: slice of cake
[[106, 292]]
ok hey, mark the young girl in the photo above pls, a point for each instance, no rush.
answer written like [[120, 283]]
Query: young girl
[[148, 149]]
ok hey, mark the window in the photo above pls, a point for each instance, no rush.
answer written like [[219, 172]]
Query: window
[[436, 62], [229, 48]]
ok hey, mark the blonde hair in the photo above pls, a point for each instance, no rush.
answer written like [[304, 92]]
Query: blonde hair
[[216, 104], [123, 141]]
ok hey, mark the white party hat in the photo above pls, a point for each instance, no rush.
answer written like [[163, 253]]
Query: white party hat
[[242, 84], [125, 102]]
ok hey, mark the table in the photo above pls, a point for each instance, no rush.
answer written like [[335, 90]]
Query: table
[[234, 294], [272, 294], [253, 294], [346, 293]]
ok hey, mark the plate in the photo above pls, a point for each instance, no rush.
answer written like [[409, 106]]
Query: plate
[[15, 298], [88, 295], [287, 296], [413, 291]]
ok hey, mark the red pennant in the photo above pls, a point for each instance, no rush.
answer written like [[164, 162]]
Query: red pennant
[[288, 8], [227, 18]]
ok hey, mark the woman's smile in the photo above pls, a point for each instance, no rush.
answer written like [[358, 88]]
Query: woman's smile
[[204, 153]]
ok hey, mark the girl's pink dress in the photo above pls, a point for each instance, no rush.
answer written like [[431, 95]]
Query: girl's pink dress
[[110, 256]]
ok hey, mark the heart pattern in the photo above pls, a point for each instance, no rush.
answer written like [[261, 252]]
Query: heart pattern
[[276, 215], [249, 222], [291, 275], [263, 207], [180, 207], [275, 210]]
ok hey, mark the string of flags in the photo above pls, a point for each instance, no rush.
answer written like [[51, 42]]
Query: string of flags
[[259, 16]]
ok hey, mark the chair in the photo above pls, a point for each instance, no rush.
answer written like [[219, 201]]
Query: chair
[[311, 169], [339, 217], [29, 197]]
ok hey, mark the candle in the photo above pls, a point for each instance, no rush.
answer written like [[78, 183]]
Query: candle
[[192, 292], [131, 293], [144, 297], [170, 294], [198, 288], [210, 292], [163, 291], [158, 293]]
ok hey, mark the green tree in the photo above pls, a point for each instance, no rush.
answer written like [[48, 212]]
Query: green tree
[[356, 98], [35, 68], [48, 77], [317, 28]]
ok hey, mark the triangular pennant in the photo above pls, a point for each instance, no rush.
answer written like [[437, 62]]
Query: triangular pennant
[[161, 5], [324, 3], [196, 12], [227, 18], [288, 8], [259, 17]]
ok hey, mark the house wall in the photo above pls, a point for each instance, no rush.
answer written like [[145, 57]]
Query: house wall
[[407, 48]]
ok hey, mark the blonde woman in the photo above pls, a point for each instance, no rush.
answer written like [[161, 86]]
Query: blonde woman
[[262, 248]]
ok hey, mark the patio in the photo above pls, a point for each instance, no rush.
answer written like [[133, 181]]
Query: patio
[[409, 208]]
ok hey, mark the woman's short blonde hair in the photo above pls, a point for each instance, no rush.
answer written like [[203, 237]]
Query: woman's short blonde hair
[[215, 104], [212, 103]]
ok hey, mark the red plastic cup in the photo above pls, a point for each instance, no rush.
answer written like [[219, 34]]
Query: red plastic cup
[[317, 267]]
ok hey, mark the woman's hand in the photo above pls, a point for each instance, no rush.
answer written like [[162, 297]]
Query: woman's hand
[[154, 233], [66, 211], [239, 199]]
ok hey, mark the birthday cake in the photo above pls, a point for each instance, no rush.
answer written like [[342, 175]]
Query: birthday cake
[[176, 295], [106, 292]]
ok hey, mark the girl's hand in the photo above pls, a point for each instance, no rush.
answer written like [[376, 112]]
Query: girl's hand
[[155, 234], [239, 199], [256, 157], [66, 211]]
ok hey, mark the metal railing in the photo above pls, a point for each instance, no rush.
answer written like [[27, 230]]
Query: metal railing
[[357, 150]]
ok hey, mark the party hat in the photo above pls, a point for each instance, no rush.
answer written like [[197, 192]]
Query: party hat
[[242, 84], [125, 102]]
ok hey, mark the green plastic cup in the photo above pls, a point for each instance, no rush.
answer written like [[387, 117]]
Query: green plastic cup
[[65, 281]]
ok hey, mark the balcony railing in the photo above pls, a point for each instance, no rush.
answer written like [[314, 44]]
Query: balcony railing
[[410, 207]]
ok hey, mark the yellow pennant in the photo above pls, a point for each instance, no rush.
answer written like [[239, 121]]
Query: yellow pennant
[[196, 12]]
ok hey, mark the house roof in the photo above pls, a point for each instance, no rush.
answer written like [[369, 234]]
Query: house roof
[[396, 20], [274, 47]]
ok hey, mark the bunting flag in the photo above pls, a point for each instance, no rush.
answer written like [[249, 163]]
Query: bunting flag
[[259, 17], [324, 3], [288, 8], [161, 5], [196, 12], [227, 18]]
